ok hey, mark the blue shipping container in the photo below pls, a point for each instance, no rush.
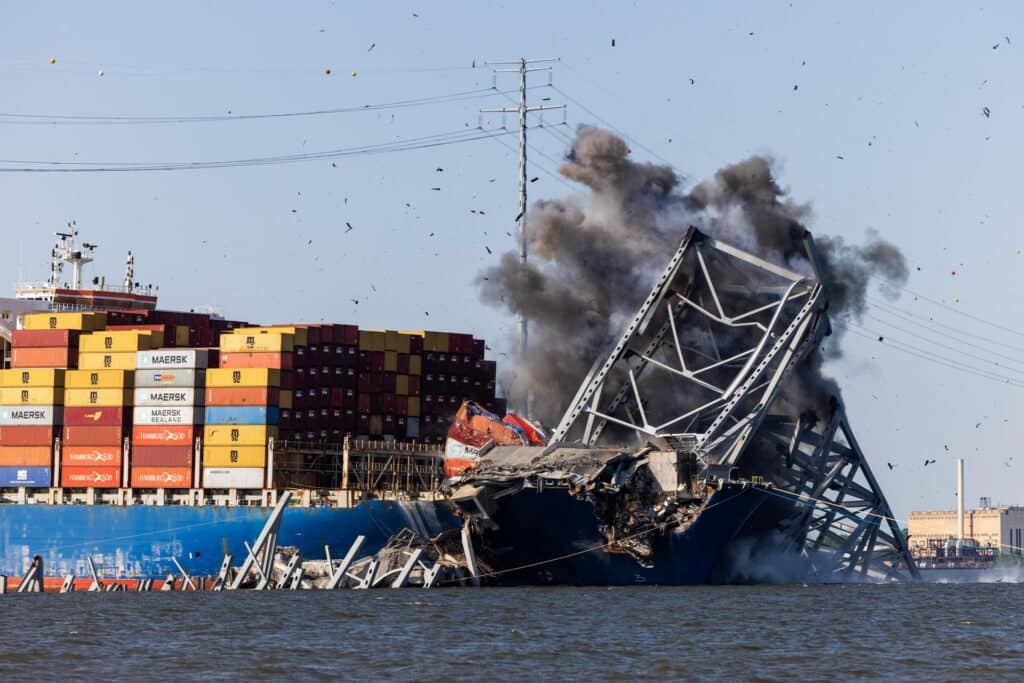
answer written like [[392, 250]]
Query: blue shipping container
[[25, 476], [241, 415]]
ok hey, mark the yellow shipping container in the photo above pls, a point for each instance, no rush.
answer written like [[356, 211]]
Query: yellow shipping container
[[257, 342], [415, 365], [435, 341], [35, 396], [238, 435], [39, 377], [414, 406], [369, 340], [100, 379], [97, 397], [119, 341], [125, 360], [284, 399], [390, 361], [234, 456], [64, 321], [301, 333], [243, 377], [182, 335], [402, 385], [396, 341]]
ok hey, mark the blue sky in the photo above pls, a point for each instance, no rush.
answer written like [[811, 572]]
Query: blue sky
[[897, 91]]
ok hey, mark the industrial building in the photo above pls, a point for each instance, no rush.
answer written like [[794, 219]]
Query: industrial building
[[958, 536]]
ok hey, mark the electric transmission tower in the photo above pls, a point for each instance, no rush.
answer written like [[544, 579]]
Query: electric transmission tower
[[522, 66]]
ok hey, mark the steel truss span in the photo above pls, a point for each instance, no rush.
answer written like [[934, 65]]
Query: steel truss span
[[714, 364]]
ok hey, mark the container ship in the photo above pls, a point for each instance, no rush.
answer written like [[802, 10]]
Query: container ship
[[131, 435], [135, 439]]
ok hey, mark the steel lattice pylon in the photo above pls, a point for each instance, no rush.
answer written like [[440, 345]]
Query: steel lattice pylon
[[711, 365]]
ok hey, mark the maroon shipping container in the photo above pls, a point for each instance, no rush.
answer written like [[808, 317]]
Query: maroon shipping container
[[161, 456], [414, 385], [45, 338], [105, 416], [403, 364], [349, 335], [479, 346], [415, 345], [401, 405]]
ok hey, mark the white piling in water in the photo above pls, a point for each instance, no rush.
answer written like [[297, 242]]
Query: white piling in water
[[69, 584]]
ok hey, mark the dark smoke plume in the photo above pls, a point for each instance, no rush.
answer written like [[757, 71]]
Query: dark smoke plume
[[593, 260]]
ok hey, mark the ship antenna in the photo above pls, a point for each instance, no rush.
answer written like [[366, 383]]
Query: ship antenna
[[129, 272]]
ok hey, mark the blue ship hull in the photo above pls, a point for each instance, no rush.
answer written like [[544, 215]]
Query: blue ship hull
[[139, 541]]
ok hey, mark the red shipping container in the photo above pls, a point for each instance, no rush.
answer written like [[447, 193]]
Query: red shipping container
[[101, 416], [75, 435], [42, 338], [162, 435], [91, 456], [27, 436], [349, 335], [162, 456], [401, 405], [414, 385], [364, 403], [376, 361], [162, 477], [44, 357], [90, 477]]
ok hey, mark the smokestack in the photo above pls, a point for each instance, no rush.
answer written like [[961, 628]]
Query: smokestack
[[960, 498]]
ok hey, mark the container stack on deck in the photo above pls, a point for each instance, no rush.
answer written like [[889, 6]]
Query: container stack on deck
[[243, 407], [30, 417], [261, 405], [99, 400], [168, 416]]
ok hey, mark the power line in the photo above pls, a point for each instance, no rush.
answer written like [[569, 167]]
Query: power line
[[936, 358], [77, 119], [930, 325], [943, 304], [607, 123], [425, 142]]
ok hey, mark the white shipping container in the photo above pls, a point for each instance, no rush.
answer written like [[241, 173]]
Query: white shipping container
[[172, 359], [170, 378], [30, 416], [167, 415], [168, 396], [233, 477]]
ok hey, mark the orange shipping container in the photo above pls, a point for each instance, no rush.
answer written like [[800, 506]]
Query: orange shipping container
[[43, 357], [91, 456], [90, 477], [27, 436], [162, 435], [26, 456], [76, 435], [245, 396], [162, 477], [277, 361]]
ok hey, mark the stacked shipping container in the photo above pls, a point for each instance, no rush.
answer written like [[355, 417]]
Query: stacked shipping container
[[99, 399], [310, 383], [243, 400], [168, 416], [30, 418]]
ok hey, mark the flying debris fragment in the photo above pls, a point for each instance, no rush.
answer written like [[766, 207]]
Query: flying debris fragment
[[100, 72], [987, 112], [534, 179], [488, 249], [372, 45], [327, 72], [53, 60], [349, 227], [353, 74]]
